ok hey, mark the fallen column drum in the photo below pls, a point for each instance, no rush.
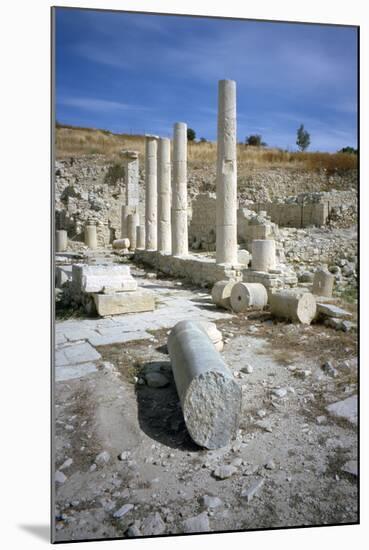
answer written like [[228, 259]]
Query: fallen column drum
[[209, 395], [247, 295]]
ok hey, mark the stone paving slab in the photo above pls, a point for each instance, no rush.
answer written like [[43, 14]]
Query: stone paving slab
[[118, 338], [76, 353], [74, 371]]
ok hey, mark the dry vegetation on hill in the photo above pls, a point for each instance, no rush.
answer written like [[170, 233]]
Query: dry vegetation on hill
[[73, 141]]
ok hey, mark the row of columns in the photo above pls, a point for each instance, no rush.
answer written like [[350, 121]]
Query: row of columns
[[166, 228]]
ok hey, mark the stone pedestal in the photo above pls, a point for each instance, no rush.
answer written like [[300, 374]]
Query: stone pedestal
[[140, 237], [132, 224], [151, 223], [263, 255], [179, 191], [226, 213], [61, 240], [164, 192], [91, 236], [323, 283]]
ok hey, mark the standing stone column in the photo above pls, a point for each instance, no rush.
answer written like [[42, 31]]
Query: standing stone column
[[164, 228], [179, 191], [226, 209], [91, 236], [61, 240], [132, 224], [131, 177], [151, 224]]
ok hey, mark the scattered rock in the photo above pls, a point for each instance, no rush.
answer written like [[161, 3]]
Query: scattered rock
[[346, 409], [102, 458], [350, 467], [156, 380], [250, 491], [270, 465], [68, 462], [153, 525], [123, 510], [248, 369], [133, 531], [60, 477], [223, 472], [197, 524], [329, 369], [210, 501], [321, 419], [279, 392]]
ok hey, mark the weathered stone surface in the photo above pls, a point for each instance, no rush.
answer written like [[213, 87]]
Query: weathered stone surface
[[61, 240], [91, 236], [63, 274], [243, 257], [151, 220], [210, 397], [226, 182], [179, 191], [197, 524], [164, 195], [225, 471], [156, 380], [346, 409], [121, 244], [76, 353], [123, 510], [248, 295], [221, 293], [75, 371], [211, 502], [297, 306], [250, 491], [91, 278], [263, 255], [350, 467], [124, 302], [323, 283], [153, 525], [330, 310]]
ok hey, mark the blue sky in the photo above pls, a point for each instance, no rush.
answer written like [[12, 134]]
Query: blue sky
[[141, 73]]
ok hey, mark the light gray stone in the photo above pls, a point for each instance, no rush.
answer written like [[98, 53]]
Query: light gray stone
[[103, 458], [346, 409], [74, 371], [210, 397], [330, 310], [251, 490], [76, 353], [279, 392], [197, 524], [123, 510], [211, 502], [153, 525], [124, 302], [225, 471], [350, 467], [96, 278], [60, 477]]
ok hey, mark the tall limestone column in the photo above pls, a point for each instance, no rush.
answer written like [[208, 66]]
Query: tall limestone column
[[179, 191], [226, 208], [164, 182], [151, 146], [131, 176]]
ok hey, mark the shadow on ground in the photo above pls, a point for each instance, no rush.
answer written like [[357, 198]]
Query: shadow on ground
[[40, 531], [159, 411]]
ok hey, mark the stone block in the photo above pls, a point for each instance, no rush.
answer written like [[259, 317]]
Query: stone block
[[346, 409], [124, 302], [330, 310], [91, 278]]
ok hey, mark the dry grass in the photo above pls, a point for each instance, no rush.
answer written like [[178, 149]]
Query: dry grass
[[76, 142]]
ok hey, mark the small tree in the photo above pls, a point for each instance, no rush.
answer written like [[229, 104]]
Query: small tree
[[255, 141], [203, 140], [348, 150], [191, 134], [303, 138]]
